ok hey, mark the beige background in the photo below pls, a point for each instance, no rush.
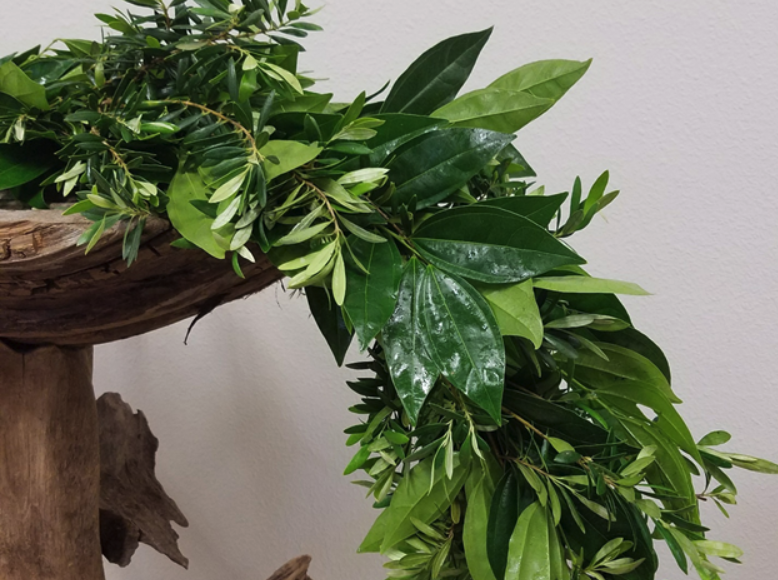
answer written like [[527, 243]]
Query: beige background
[[680, 105]]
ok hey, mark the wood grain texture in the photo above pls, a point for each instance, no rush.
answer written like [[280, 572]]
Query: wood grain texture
[[49, 465], [134, 507], [51, 293], [296, 569]]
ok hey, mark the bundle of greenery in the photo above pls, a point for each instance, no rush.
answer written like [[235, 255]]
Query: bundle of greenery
[[515, 424]]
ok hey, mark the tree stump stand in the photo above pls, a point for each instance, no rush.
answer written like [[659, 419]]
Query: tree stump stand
[[61, 462]]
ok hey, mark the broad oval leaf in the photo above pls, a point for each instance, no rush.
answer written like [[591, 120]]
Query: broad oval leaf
[[516, 311], [462, 337], [15, 83], [371, 298], [436, 76], [547, 79], [413, 371], [494, 109], [439, 164], [291, 155], [190, 222], [491, 245]]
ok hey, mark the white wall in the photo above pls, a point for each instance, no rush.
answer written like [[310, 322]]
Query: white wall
[[680, 105]]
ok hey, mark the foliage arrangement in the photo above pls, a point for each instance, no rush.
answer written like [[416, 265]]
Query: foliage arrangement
[[515, 424]]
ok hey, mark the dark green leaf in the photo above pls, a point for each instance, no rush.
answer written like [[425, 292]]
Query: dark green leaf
[[371, 297], [541, 209], [330, 322], [413, 371], [462, 337], [491, 245], [439, 164], [503, 514], [435, 78], [22, 164]]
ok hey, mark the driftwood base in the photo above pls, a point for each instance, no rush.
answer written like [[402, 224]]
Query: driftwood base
[[49, 465], [77, 477]]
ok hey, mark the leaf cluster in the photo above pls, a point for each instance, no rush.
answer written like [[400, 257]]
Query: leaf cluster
[[514, 423]]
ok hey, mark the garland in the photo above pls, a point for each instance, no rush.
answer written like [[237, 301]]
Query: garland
[[515, 424]]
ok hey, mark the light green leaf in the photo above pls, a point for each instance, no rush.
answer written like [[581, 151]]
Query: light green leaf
[[516, 311], [190, 222], [15, 82], [587, 285], [339, 283], [715, 438], [423, 496], [494, 109], [547, 79], [229, 189], [720, 549], [291, 155], [474, 533], [280, 73], [529, 555]]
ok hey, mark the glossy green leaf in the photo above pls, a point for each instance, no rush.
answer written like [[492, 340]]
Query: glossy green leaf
[[547, 79], [479, 490], [516, 311], [15, 83], [541, 209], [587, 285], [529, 555], [491, 245], [330, 322], [440, 163], [397, 130], [494, 109], [462, 337], [190, 222], [503, 515], [291, 154], [371, 297], [435, 77], [413, 371], [22, 164]]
